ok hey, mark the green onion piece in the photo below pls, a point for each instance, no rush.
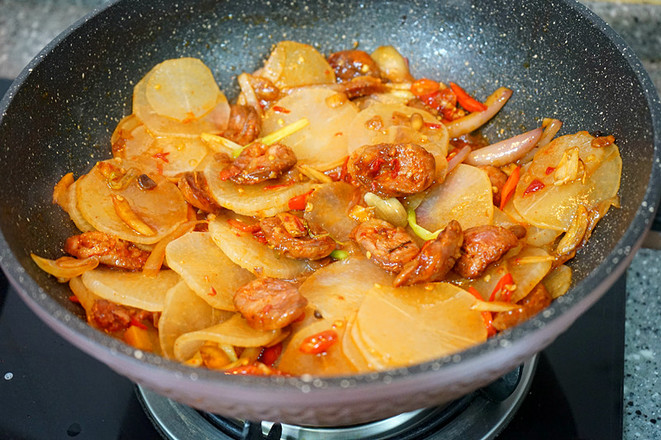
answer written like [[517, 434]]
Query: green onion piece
[[339, 254], [220, 144], [419, 230], [277, 135]]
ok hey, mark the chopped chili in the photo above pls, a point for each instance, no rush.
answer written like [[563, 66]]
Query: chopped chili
[[424, 86], [163, 156], [278, 186], [298, 203], [137, 323], [74, 299], [270, 355], [432, 125], [318, 343], [278, 109], [213, 292], [535, 185], [501, 286], [467, 101], [549, 170], [244, 227], [487, 317], [509, 187]]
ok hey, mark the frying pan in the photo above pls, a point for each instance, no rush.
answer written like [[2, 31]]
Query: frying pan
[[560, 59]]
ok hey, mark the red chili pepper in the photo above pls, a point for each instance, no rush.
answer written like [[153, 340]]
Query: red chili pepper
[[375, 166], [510, 186], [506, 280], [281, 185], [549, 170], [488, 323], [487, 317], [467, 101], [298, 203], [473, 291], [135, 322], [424, 87], [278, 109], [535, 185], [318, 343], [213, 292], [163, 156], [74, 299], [270, 354], [432, 125], [243, 227]]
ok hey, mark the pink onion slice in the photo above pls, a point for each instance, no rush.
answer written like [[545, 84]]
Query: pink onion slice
[[551, 128], [507, 151], [458, 158], [475, 120]]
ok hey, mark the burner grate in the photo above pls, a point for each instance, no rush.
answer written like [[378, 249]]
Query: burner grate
[[479, 415]]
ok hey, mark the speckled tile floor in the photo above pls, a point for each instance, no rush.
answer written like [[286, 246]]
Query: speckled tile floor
[[28, 25]]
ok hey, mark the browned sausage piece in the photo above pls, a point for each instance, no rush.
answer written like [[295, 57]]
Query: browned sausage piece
[[536, 301], [111, 317], [393, 170], [110, 250], [362, 86], [269, 303], [498, 179], [258, 162], [194, 188], [290, 234], [244, 126], [388, 246], [349, 64], [436, 258], [482, 246]]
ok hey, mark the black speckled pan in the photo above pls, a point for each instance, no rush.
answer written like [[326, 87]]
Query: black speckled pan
[[559, 58]]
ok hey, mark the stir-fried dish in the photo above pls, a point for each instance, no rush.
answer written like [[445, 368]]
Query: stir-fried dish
[[342, 216]]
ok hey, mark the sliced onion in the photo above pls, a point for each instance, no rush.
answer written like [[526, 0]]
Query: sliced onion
[[65, 268], [390, 210], [507, 151], [475, 120], [458, 158], [551, 128]]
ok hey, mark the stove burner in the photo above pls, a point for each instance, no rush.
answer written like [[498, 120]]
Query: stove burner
[[479, 415]]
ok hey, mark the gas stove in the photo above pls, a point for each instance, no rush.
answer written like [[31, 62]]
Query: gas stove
[[52, 390]]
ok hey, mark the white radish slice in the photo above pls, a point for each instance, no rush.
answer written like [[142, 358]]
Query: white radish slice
[[206, 269], [323, 143], [234, 331], [215, 121], [244, 250], [162, 208], [71, 203], [329, 210], [293, 64], [397, 327], [465, 196], [337, 290], [558, 281], [332, 362], [351, 350], [183, 89], [264, 199], [184, 312], [553, 206], [133, 289]]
